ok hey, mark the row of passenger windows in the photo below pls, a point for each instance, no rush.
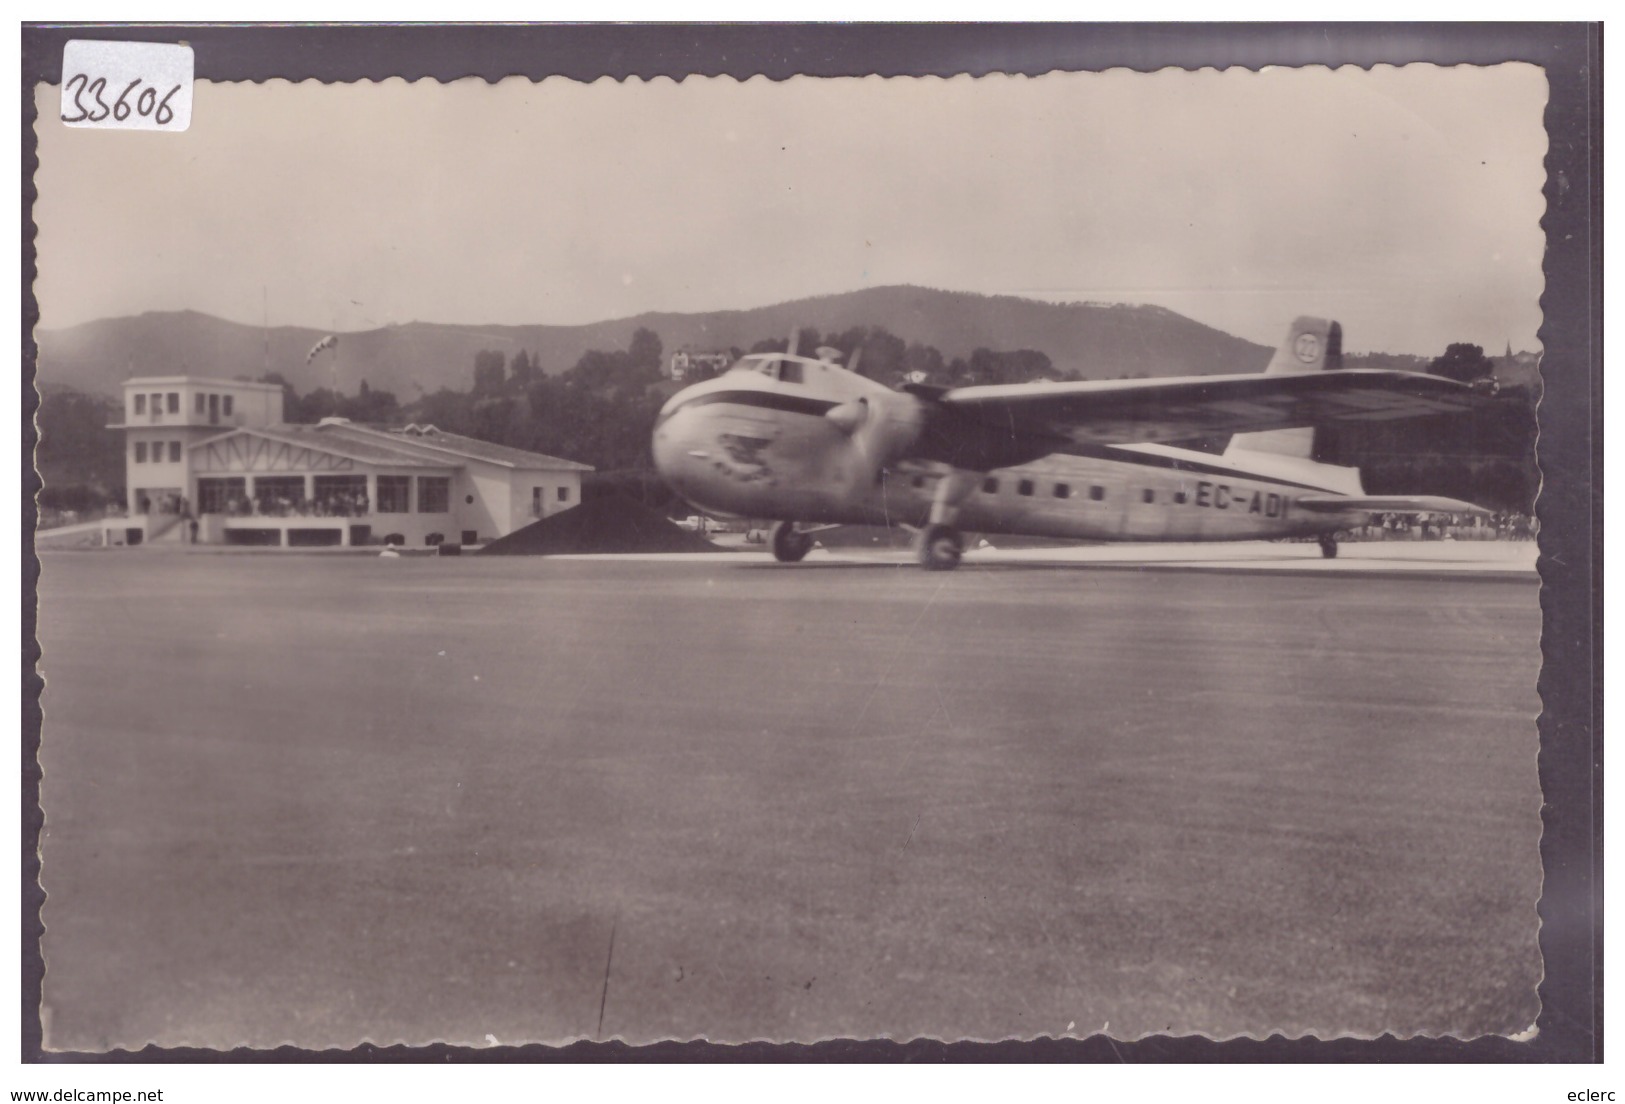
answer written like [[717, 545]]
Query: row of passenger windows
[[1097, 493], [170, 402], [157, 452], [1028, 488]]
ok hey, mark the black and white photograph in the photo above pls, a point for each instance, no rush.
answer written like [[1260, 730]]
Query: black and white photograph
[[986, 558]]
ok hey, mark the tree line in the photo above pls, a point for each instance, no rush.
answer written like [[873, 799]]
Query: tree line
[[600, 412], [1485, 457]]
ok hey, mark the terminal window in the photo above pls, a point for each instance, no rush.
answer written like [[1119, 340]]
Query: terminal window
[[174, 452], [990, 485], [1063, 490], [217, 495], [564, 494], [141, 404], [394, 494], [1097, 493], [225, 405], [174, 402], [1180, 497], [1148, 496], [275, 495], [1025, 487], [141, 452], [197, 404], [434, 494], [341, 495]]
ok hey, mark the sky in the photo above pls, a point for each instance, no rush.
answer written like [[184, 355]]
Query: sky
[[1404, 202]]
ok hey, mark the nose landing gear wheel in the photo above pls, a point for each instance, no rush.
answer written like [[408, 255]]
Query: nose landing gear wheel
[[790, 545], [1328, 546], [940, 547]]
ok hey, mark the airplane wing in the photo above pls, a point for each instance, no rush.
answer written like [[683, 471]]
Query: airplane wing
[[986, 427], [1387, 504]]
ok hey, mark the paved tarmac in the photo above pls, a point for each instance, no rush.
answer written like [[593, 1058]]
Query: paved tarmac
[[1511, 559], [322, 800]]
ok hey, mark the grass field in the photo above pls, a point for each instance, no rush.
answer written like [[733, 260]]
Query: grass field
[[319, 800]]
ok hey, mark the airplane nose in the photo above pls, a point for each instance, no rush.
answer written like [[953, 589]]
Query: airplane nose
[[670, 453]]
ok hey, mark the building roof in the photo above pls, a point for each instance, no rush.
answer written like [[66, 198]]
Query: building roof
[[308, 436], [473, 448], [414, 446], [207, 381]]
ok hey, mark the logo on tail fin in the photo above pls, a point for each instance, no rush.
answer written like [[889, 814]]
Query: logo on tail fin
[[1307, 348]]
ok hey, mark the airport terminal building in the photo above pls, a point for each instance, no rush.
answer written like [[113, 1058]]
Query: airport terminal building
[[217, 453]]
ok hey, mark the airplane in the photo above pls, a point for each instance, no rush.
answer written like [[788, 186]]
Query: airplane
[[811, 444]]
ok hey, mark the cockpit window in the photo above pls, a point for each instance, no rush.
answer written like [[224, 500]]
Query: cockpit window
[[771, 365]]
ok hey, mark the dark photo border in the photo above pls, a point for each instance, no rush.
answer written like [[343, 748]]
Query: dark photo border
[[1569, 509]]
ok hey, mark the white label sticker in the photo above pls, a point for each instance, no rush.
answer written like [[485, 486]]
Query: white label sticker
[[126, 85]]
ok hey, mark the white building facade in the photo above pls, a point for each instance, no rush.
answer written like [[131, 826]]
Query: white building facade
[[212, 461]]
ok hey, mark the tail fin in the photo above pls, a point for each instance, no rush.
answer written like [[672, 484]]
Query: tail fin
[[1311, 345]]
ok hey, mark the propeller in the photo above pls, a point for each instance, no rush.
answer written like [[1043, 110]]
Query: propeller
[[882, 427], [850, 415]]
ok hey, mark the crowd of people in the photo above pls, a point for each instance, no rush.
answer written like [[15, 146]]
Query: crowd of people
[[328, 504], [1507, 525]]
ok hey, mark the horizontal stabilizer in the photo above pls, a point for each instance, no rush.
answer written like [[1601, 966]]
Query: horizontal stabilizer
[[1388, 504]]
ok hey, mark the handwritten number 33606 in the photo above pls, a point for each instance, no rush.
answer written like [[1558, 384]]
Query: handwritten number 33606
[[146, 104]]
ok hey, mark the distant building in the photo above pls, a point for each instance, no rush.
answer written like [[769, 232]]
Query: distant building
[[686, 363], [218, 451]]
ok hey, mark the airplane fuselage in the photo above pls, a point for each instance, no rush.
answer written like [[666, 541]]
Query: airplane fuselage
[[751, 446]]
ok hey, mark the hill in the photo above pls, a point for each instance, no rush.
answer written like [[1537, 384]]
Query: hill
[[1094, 340]]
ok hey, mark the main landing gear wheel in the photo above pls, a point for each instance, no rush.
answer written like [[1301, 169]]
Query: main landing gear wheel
[[940, 547], [1328, 546], [789, 544]]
